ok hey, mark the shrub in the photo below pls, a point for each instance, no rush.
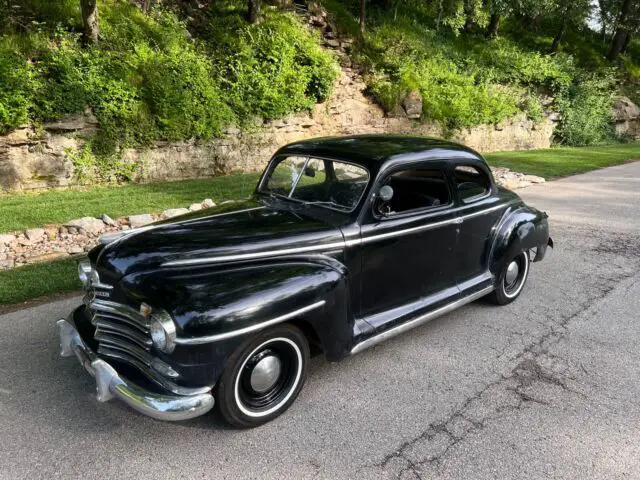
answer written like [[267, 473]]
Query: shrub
[[586, 111], [270, 69], [16, 79]]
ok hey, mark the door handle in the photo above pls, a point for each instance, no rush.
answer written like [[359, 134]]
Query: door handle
[[458, 220]]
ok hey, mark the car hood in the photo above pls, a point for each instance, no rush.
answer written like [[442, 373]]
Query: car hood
[[236, 231]]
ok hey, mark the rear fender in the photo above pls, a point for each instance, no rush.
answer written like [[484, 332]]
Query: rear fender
[[519, 229]]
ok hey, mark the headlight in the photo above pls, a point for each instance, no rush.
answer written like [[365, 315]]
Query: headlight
[[163, 331], [84, 270]]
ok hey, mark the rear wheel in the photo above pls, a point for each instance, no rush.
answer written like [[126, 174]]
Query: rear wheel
[[511, 280], [263, 376]]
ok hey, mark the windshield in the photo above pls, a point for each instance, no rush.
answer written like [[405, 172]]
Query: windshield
[[327, 183]]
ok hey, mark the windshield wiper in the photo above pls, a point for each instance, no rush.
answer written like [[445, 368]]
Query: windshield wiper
[[329, 203]]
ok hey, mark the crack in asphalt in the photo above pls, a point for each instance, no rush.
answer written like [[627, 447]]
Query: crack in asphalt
[[530, 370]]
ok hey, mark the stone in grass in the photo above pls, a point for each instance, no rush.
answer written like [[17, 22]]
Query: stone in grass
[[6, 239], [109, 221], [45, 257], [208, 203], [73, 249], [6, 264], [88, 224], [172, 212], [34, 234], [194, 207], [136, 221]]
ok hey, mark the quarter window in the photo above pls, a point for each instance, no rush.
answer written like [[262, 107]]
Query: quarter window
[[416, 189], [472, 184]]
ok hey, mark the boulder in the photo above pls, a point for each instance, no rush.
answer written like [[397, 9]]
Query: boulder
[[88, 224], [194, 207], [34, 234], [412, 104], [624, 110], [208, 203], [7, 238], [109, 221], [140, 220], [173, 212]]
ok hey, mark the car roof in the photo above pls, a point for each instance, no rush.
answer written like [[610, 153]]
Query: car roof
[[373, 151]]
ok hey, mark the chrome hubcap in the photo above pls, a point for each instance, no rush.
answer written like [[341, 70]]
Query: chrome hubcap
[[512, 273], [265, 373]]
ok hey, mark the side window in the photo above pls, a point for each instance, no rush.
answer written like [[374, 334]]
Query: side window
[[416, 189], [472, 184]]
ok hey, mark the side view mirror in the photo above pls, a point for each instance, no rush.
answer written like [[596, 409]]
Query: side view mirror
[[384, 196], [310, 172], [385, 193]]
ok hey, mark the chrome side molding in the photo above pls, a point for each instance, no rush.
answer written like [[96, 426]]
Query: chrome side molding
[[250, 329], [381, 337]]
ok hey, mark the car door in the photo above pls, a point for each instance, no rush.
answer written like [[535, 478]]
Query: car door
[[408, 243], [478, 210]]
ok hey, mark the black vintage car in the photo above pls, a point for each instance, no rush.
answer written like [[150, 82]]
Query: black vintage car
[[345, 243]]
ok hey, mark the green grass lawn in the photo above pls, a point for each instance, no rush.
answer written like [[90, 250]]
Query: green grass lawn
[[560, 162], [33, 281], [31, 210]]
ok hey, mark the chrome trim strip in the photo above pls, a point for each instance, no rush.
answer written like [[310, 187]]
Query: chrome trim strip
[[123, 322], [106, 344], [455, 220], [125, 333], [111, 385], [250, 329], [347, 243], [255, 255], [381, 337], [118, 309]]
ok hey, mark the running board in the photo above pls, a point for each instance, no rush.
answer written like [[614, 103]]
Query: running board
[[381, 337]]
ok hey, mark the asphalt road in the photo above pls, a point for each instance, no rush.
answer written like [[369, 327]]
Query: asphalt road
[[545, 387]]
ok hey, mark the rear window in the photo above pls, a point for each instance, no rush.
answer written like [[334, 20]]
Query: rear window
[[471, 182]]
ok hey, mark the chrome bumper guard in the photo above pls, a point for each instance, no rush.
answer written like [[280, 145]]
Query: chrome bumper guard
[[109, 384]]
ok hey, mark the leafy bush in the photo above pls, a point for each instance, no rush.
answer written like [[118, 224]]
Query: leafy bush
[[17, 81], [586, 111], [149, 80], [404, 59], [270, 69]]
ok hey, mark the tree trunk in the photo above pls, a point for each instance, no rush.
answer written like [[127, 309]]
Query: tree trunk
[[603, 20], [494, 25], [146, 5], [627, 41], [363, 8], [253, 11], [621, 35], [558, 38], [618, 44], [469, 12], [90, 20]]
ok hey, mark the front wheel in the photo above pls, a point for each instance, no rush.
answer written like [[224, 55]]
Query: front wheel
[[263, 376], [511, 280]]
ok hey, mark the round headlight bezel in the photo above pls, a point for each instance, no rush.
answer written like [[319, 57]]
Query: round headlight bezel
[[163, 331]]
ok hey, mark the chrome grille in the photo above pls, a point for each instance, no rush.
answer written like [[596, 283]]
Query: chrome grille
[[121, 332]]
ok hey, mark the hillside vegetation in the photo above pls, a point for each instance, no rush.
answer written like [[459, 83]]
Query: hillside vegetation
[[180, 69], [149, 78], [480, 62]]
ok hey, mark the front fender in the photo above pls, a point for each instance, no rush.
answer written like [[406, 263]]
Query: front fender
[[214, 301], [519, 229]]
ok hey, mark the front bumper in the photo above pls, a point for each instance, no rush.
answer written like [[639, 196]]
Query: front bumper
[[109, 384]]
